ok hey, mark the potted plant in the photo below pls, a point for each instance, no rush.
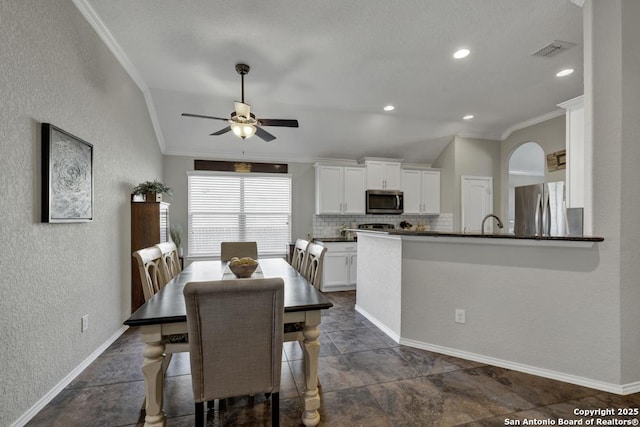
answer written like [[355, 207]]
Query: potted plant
[[152, 190], [176, 235]]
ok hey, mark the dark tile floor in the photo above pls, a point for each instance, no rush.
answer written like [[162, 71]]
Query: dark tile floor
[[366, 380]]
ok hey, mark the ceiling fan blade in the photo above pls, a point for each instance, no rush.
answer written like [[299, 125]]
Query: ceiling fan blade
[[278, 122], [203, 117], [264, 134], [242, 109], [221, 131]]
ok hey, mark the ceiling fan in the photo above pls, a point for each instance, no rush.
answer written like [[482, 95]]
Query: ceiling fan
[[243, 122]]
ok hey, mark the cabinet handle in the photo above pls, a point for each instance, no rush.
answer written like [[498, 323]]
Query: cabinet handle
[[346, 260], [345, 207], [341, 208]]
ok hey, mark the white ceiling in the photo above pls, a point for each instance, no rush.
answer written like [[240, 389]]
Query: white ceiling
[[334, 64]]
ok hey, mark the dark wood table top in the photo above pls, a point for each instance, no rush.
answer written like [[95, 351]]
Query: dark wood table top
[[167, 306]]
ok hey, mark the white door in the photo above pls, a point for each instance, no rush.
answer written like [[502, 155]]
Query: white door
[[477, 202]]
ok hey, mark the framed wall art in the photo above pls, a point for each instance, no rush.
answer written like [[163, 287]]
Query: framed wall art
[[67, 176]]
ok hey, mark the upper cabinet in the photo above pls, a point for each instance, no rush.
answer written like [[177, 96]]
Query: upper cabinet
[[383, 175], [421, 190], [340, 190]]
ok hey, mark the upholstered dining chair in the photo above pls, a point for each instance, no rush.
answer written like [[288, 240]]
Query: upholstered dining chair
[[170, 261], [152, 275], [315, 260], [299, 258], [240, 249], [235, 339]]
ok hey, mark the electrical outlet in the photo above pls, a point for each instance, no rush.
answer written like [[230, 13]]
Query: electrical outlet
[[461, 315], [85, 323]]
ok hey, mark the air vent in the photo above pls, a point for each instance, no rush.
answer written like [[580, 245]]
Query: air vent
[[553, 48]]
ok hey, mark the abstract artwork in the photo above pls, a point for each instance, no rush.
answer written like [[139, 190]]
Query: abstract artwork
[[67, 176]]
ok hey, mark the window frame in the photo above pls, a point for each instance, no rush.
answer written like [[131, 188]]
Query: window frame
[[240, 215]]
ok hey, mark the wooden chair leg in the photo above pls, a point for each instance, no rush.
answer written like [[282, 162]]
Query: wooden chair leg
[[275, 409], [200, 415]]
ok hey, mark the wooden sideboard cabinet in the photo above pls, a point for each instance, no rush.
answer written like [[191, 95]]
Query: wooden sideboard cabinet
[[149, 226]]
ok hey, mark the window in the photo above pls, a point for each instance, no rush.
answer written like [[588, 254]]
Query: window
[[239, 207]]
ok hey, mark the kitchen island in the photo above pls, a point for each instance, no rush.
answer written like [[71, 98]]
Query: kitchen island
[[528, 304]]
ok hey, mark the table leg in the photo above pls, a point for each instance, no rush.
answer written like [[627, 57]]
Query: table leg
[[311, 350], [153, 383]]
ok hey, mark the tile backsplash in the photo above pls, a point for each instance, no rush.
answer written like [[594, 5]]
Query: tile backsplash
[[329, 225]]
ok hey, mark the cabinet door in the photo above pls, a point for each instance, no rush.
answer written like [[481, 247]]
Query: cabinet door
[[329, 189], [411, 187], [392, 176], [335, 272], [430, 192], [375, 175], [353, 268], [354, 190]]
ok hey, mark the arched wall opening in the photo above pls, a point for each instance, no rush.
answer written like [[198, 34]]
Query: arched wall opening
[[525, 166]]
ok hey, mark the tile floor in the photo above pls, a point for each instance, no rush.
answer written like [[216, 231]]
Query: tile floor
[[366, 380]]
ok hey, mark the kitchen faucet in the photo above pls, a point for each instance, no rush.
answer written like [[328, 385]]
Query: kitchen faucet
[[500, 225]]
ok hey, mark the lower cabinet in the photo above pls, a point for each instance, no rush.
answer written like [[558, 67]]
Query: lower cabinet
[[339, 268]]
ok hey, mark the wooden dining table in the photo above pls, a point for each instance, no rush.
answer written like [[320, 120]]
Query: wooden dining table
[[165, 315]]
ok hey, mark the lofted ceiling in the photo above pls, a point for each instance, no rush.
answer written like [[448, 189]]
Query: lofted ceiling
[[333, 65]]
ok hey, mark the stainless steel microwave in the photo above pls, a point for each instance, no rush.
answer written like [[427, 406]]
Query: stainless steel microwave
[[385, 202]]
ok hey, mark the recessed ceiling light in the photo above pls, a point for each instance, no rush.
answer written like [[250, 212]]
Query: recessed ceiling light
[[565, 72], [462, 53], [467, 117], [389, 108]]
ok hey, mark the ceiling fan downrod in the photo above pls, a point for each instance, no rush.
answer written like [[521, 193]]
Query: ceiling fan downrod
[[242, 69]]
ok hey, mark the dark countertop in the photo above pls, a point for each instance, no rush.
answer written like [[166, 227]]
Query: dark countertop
[[399, 232], [333, 239]]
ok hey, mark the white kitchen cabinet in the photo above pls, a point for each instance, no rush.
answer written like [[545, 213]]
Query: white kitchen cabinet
[[340, 190], [383, 175], [339, 266], [421, 190]]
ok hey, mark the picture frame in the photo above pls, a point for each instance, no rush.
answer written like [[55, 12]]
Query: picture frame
[[67, 177]]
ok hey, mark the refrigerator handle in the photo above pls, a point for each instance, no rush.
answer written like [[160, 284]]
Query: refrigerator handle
[[536, 218], [546, 215]]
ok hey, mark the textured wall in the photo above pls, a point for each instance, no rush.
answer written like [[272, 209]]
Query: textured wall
[[54, 68]]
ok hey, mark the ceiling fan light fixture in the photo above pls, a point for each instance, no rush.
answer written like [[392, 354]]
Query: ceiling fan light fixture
[[243, 130]]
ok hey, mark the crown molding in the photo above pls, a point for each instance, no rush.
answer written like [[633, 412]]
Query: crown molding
[[112, 44], [531, 122]]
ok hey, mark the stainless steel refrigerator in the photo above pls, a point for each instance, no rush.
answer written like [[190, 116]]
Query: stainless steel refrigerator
[[540, 210]]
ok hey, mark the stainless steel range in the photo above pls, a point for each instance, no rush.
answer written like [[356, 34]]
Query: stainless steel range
[[376, 226]]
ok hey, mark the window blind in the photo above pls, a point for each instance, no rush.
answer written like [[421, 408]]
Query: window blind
[[239, 207]]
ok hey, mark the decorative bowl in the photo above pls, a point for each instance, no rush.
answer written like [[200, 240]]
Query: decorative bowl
[[243, 271]]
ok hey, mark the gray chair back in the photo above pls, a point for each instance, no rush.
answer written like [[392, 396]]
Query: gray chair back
[[315, 260], [152, 275], [299, 259], [240, 249], [235, 336]]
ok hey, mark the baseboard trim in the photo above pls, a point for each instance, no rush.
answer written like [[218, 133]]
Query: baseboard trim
[[44, 400], [378, 324], [621, 389], [528, 369]]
